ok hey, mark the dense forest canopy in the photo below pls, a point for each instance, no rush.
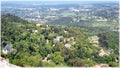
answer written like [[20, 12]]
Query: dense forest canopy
[[42, 45]]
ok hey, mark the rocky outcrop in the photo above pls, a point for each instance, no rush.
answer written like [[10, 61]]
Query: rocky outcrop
[[4, 63]]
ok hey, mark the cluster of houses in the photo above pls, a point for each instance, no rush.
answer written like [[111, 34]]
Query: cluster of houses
[[103, 52], [65, 40], [38, 25], [58, 38], [94, 40]]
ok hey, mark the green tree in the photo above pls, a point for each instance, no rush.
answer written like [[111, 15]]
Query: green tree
[[57, 58], [48, 64], [113, 64], [76, 62]]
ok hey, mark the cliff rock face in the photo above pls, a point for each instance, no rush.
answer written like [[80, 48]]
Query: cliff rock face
[[4, 63]]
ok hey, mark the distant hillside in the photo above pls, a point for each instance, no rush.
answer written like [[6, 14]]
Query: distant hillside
[[11, 18]]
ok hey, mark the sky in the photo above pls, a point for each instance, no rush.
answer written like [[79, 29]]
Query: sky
[[60, 0]]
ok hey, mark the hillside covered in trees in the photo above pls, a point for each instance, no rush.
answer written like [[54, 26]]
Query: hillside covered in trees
[[41, 45]]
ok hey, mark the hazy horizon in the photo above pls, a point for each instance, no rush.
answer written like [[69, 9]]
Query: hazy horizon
[[59, 0]]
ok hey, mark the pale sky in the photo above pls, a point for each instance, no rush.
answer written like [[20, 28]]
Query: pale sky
[[60, 0]]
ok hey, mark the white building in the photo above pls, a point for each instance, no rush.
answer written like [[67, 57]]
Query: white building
[[67, 45], [38, 24]]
